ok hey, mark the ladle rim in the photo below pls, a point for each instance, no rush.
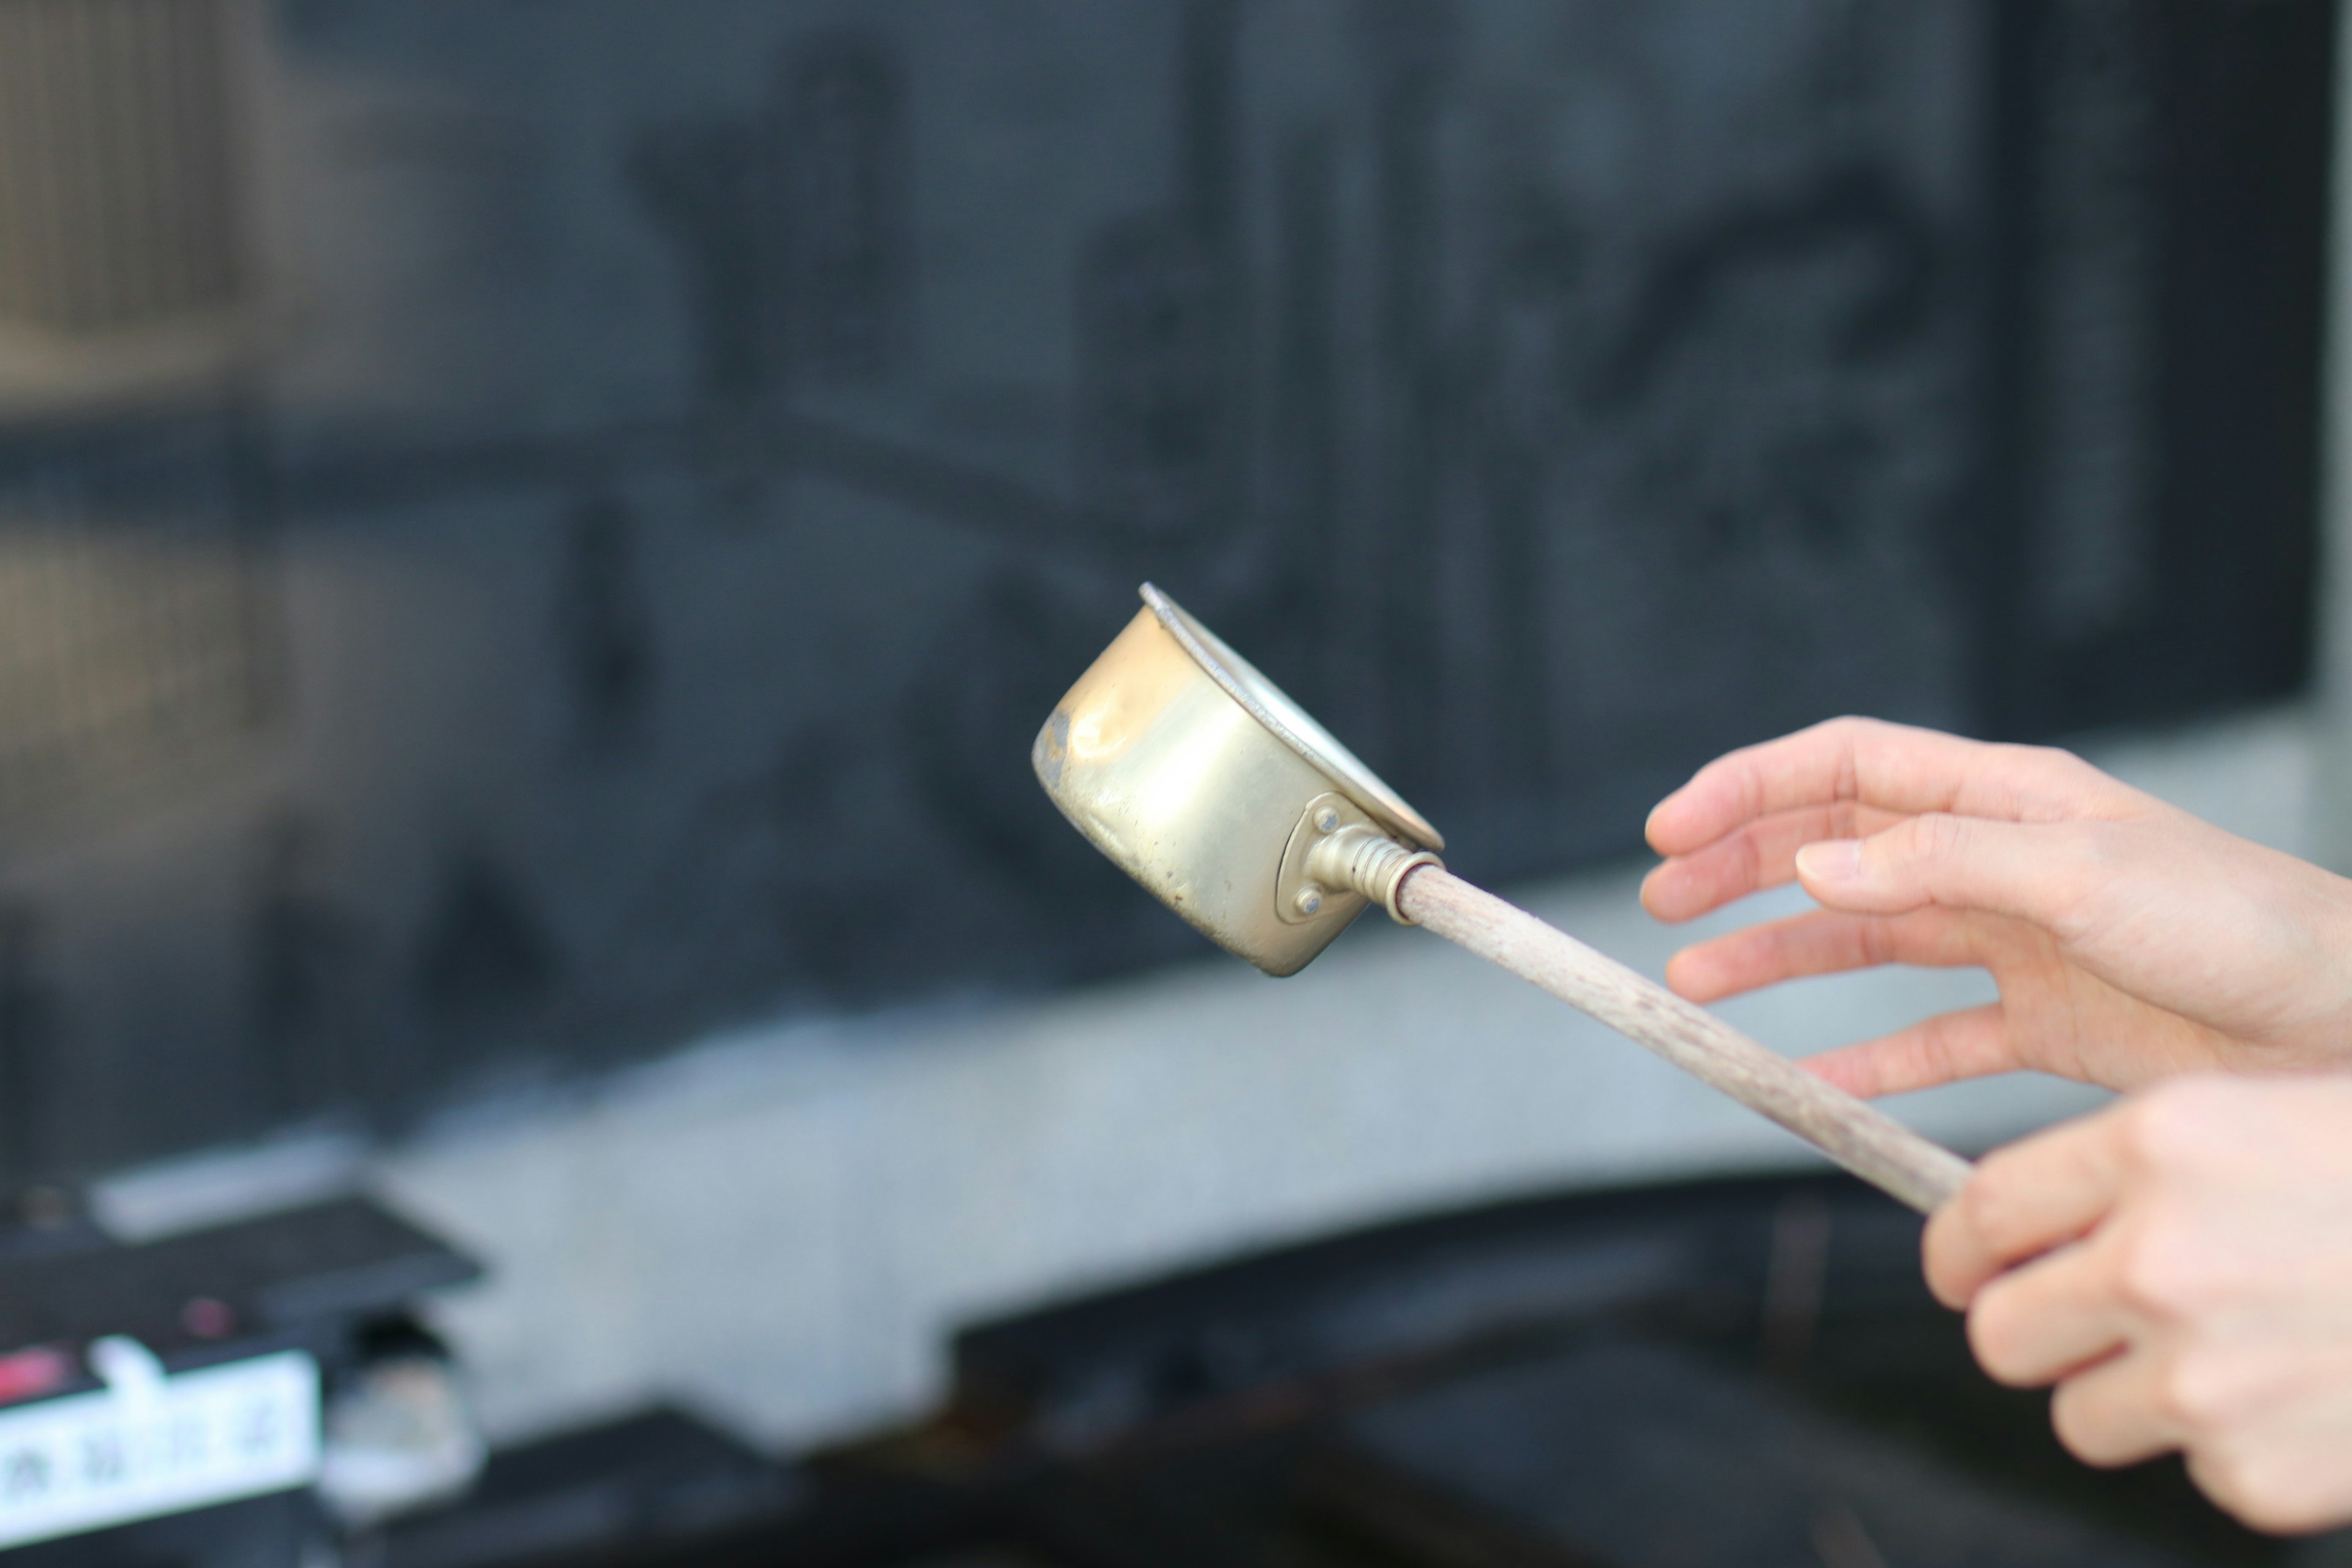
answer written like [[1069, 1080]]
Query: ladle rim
[[1272, 707]]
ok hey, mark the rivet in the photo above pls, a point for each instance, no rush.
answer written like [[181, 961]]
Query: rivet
[[1309, 899], [1327, 820]]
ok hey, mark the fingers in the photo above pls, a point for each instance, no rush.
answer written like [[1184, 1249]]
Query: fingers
[[1890, 766], [2039, 873], [1820, 942], [1972, 1043], [2181, 1293], [2112, 1414], [1762, 853], [1975, 1043], [2024, 1200], [2055, 1315]]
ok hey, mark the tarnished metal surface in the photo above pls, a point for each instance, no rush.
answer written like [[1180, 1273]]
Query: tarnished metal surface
[[1194, 774]]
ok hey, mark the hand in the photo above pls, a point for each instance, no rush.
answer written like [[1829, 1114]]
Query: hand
[[2181, 1265], [2128, 940]]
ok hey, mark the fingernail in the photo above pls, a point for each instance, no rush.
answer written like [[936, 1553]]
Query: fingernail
[[1831, 860]]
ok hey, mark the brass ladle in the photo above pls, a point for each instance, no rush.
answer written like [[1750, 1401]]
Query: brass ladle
[[1205, 783]]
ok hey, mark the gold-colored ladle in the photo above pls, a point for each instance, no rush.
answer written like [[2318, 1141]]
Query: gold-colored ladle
[[1205, 783]]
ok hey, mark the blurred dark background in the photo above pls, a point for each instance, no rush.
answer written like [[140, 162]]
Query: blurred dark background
[[532, 530]]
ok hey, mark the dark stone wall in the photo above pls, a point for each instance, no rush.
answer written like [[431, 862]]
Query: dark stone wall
[[667, 459]]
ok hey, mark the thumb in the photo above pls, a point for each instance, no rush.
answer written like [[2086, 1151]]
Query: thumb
[[2034, 871]]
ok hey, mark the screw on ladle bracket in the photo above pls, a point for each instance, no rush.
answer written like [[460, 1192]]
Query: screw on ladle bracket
[[1337, 851], [1203, 782]]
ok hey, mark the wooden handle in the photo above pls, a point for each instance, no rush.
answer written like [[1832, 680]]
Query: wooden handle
[[1866, 1140]]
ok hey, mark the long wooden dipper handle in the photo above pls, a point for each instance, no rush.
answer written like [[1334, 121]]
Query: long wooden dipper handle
[[1866, 1140]]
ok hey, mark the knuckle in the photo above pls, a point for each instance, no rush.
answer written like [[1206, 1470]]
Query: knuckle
[[2155, 1277], [2056, 765], [1750, 781], [2087, 850], [2191, 1396], [2059, 760], [1926, 854], [1851, 726], [2090, 779], [2164, 1126], [1941, 835], [2076, 869], [2017, 756], [1747, 861]]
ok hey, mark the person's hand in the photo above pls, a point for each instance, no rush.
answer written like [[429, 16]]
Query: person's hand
[[2180, 1266], [2129, 940]]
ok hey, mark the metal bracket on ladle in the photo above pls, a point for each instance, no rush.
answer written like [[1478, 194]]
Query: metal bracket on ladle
[[1338, 853]]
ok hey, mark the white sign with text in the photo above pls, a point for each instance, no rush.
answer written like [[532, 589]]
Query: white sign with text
[[149, 1445]]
